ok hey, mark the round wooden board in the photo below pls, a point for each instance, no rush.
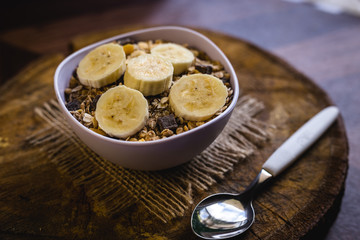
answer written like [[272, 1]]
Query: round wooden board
[[36, 202]]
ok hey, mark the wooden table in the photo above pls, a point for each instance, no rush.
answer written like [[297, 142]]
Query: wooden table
[[324, 47]]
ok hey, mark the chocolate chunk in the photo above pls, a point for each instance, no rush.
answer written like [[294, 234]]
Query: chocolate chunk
[[206, 69], [73, 105], [94, 102], [167, 122]]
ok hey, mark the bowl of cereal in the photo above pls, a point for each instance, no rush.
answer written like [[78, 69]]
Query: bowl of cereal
[[150, 99]]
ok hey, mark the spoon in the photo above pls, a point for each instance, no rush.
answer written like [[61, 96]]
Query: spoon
[[225, 215]]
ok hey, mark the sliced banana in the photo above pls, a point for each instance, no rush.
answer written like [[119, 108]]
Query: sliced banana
[[197, 97], [149, 74], [102, 66], [180, 57], [121, 111]]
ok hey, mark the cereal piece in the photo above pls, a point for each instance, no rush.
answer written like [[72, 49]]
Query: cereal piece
[[151, 135], [68, 91], [143, 133], [155, 102], [77, 88], [191, 125], [73, 105], [151, 123], [179, 130], [219, 74], [167, 122], [199, 123], [164, 100], [191, 69], [223, 108], [167, 133], [162, 106], [87, 118]]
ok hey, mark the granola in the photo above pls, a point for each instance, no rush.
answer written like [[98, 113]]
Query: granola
[[81, 100]]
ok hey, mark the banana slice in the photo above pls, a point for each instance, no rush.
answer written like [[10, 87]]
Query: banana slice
[[180, 57], [197, 97], [149, 74], [103, 65], [121, 111]]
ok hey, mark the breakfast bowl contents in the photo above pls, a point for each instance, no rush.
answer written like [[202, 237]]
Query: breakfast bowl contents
[[149, 99], [137, 96]]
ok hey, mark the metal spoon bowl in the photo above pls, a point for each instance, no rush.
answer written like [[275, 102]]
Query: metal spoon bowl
[[225, 215]]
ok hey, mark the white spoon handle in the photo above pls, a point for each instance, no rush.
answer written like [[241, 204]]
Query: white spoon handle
[[301, 140]]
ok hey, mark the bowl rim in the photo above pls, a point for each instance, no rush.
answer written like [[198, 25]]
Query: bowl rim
[[235, 86]]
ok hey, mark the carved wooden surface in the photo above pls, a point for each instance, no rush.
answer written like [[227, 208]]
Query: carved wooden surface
[[37, 202]]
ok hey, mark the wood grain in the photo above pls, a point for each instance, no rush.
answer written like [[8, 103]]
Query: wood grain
[[37, 202], [323, 46]]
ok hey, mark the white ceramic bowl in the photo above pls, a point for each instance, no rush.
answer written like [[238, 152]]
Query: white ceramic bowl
[[158, 154]]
